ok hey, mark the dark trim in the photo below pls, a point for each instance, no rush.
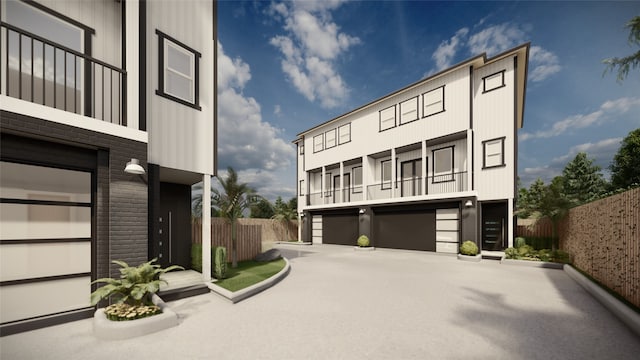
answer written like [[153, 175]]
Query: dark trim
[[433, 157], [161, 68], [340, 127], [60, 16], [34, 323], [123, 86], [43, 202], [484, 153], [473, 152], [430, 91], [301, 191], [515, 142], [44, 278], [353, 179], [335, 139], [417, 110], [395, 118], [185, 292], [328, 192], [44, 241], [484, 82], [382, 187], [413, 163], [471, 90], [142, 65], [321, 142]]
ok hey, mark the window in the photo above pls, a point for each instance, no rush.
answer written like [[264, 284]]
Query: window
[[493, 81], [301, 148], [344, 133], [301, 191], [388, 118], [443, 164], [433, 102], [330, 138], [409, 110], [357, 179], [318, 143], [386, 174], [327, 184], [493, 151], [177, 71]]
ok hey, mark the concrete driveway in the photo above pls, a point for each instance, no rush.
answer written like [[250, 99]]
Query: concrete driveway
[[340, 304]]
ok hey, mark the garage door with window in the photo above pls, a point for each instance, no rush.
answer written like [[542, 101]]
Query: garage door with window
[[45, 241]]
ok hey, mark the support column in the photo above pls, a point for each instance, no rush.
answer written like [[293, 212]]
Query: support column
[[393, 172], [132, 63], [424, 166], [206, 227], [341, 192]]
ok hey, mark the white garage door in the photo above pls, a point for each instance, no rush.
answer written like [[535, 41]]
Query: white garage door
[[45, 241], [316, 229], [447, 230]]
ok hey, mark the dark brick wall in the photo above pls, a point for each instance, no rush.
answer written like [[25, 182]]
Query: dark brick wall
[[121, 198]]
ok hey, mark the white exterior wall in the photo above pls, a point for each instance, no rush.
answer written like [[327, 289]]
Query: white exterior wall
[[494, 118], [181, 137], [366, 138]]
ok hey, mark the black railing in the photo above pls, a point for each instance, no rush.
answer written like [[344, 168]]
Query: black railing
[[38, 70]]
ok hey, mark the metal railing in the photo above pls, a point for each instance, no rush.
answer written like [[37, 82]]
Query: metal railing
[[41, 71]]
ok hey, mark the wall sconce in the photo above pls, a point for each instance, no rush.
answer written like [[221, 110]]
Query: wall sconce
[[362, 211], [133, 167], [469, 203], [301, 214]]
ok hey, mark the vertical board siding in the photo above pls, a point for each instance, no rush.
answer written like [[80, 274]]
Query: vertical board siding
[[603, 239], [541, 228]]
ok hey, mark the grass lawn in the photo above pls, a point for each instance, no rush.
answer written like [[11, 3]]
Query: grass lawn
[[248, 273]]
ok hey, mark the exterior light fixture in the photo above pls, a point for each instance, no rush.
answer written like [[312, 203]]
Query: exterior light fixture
[[301, 214], [362, 211], [133, 167], [469, 203]]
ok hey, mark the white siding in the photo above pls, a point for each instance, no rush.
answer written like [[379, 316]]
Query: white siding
[[181, 137]]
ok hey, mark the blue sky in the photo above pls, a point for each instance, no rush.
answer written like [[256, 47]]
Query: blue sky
[[285, 67]]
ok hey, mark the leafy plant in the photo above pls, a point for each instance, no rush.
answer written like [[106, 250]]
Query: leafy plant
[[220, 263], [136, 284], [527, 252], [511, 253], [196, 256], [520, 241], [125, 312], [363, 241], [469, 248]]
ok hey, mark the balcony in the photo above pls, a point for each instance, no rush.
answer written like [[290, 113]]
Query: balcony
[[435, 184], [43, 72]]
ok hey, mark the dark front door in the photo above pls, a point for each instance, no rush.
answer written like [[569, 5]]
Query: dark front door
[[175, 225], [493, 226]]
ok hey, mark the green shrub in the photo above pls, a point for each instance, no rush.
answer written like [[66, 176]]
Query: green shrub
[[196, 256], [560, 256], [220, 263], [363, 241], [520, 241], [511, 253], [544, 255], [526, 251], [469, 248]]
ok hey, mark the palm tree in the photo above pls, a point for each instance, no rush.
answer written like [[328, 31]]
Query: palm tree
[[232, 201], [285, 213]]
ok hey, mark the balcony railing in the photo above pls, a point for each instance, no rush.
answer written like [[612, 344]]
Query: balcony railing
[[436, 184], [41, 71]]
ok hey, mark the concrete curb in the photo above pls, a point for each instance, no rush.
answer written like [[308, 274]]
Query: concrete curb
[[366, 248], [293, 243], [617, 307], [106, 329], [529, 263], [470, 258], [240, 295]]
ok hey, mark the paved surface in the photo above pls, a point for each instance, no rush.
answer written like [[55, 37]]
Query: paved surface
[[385, 304]]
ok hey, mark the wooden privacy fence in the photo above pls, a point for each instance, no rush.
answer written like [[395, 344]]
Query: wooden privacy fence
[[249, 237], [603, 238], [531, 228]]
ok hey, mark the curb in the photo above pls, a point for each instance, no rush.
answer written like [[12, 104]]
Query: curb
[[617, 307], [529, 263], [240, 295], [293, 243], [470, 258]]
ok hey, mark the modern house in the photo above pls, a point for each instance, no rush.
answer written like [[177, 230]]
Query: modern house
[[426, 167], [107, 117]]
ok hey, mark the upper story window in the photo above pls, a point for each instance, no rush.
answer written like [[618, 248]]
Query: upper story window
[[493, 81], [178, 71], [357, 179], [388, 118], [301, 189], [493, 153], [330, 138], [318, 143], [344, 133], [409, 110], [386, 174], [433, 102], [301, 148], [443, 164]]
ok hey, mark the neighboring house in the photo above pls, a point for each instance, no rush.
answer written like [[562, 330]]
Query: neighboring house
[[87, 89], [426, 167]]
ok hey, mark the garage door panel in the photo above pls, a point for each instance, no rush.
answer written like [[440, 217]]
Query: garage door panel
[[340, 229], [406, 230]]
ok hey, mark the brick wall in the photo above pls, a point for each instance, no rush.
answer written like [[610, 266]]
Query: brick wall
[[603, 238], [121, 198]]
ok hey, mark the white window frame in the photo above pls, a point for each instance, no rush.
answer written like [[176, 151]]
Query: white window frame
[[493, 153], [433, 102]]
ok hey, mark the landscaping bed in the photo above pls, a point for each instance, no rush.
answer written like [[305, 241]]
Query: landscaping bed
[[249, 273]]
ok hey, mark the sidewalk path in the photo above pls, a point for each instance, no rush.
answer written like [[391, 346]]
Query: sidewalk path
[[340, 304]]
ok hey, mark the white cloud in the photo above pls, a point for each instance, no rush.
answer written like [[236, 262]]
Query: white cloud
[[246, 142], [580, 121], [312, 44], [601, 152], [277, 110], [493, 40]]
